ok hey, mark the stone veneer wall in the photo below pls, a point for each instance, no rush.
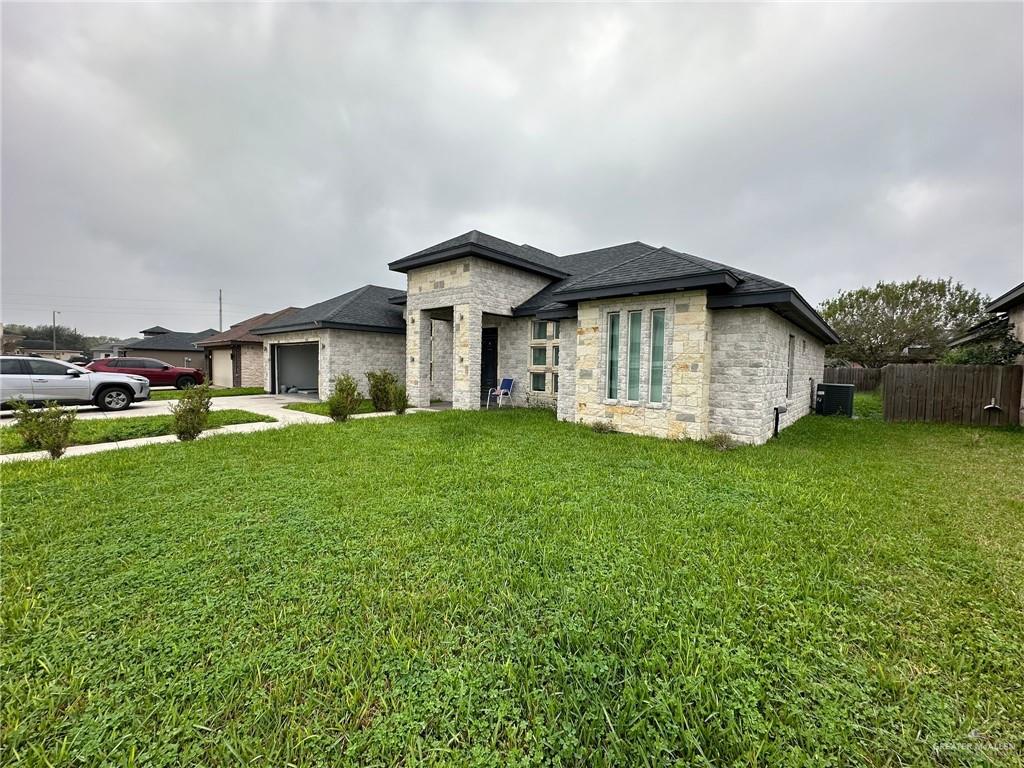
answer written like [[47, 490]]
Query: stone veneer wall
[[566, 408], [471, 286], [341, 352], [440, 360], [684, 410], [252, 368], [749, 368]]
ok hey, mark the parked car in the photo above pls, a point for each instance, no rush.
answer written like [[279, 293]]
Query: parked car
[[39, 380], [159, 373]]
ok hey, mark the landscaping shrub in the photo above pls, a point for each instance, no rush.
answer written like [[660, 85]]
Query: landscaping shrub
[[602, 426], [381, 384], [399, 399], [344, 398], [48, 429], [26, 424], [191, 412]]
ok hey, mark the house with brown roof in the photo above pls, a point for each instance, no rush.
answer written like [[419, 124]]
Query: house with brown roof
[[234, 357]]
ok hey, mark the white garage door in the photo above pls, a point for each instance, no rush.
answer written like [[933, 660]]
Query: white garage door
[[222, 371]]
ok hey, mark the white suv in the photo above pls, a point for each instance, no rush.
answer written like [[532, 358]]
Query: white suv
[[39, 380]]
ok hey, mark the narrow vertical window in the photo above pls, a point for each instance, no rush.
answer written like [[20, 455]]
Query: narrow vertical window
[[554, 382], [554, 356], [613, 355], [789, 366], [633, 371], [657, 354]]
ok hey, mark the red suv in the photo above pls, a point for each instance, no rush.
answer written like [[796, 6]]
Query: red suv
[[159, 373]]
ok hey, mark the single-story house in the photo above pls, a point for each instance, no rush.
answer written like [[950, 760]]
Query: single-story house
[[645, 339], [359, 331], [234, 358], [44, 348], [176, 348], [1011, 306], [109, 350]]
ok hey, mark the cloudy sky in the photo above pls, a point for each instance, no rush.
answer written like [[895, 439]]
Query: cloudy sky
[[154, 153]]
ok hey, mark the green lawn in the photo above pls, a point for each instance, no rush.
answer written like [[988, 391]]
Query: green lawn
[[366, 406], [503, 589], [89, 431], [174, 394]]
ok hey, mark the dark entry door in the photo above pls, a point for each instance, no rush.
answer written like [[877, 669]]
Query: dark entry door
[[488, 361]]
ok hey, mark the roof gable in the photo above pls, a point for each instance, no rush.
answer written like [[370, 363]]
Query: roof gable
[[482, 245], [1012, 298], [366, 308]]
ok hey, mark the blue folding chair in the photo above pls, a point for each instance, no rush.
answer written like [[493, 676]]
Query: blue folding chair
[[503, 390]]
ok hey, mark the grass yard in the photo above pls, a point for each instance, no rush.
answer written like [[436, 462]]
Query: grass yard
[[502, 589], [174, 394], [366, 406], [89, 431]]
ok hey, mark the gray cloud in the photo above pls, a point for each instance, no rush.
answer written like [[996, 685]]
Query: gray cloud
[[153, 153]]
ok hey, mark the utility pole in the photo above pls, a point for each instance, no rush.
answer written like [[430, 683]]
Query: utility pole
[[55, 313], [220, 305]]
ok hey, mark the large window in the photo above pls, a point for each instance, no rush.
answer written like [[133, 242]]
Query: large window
[[789, 366], [537, 382], [539, 355], [633, 367], [540, 329], [613, 356], [657, 354]]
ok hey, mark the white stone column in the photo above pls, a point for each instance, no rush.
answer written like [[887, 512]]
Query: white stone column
[[417, 363], [467, 330]]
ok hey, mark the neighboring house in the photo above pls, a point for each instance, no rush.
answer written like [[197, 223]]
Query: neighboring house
[[648, 340], [234, 358], [44, 348], [359, 331], [177, 348], [1011, 305], [109, 350]]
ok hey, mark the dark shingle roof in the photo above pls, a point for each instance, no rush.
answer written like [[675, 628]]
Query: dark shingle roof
[[171, 341], [156, 330], [1008, 300], [241, 333], [486, 246], [367, 308]]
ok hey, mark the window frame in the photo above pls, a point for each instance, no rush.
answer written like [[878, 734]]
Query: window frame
[[612, 351], [634, 342], [533, 356], [542, 324], [533, 380], [660, 379]]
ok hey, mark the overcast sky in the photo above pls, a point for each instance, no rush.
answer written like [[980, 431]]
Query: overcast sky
[[154, 153]]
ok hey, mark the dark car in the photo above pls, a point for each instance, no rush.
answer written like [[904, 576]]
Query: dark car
[[159, 373]]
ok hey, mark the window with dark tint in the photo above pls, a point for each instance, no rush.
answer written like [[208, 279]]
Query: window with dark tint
[[47, 368], [12, 367]]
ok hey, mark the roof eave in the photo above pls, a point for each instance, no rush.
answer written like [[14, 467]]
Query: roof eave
[[721, 279], [474, 249], [321, 325], [1008, 300], [800, 312]]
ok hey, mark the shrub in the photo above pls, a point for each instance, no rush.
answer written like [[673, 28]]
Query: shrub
[[602, 426], [381, 384], [399, 399], [191, 412], [344, 398], [26, 424], [720, 441], [1003, 350], [48, 429]]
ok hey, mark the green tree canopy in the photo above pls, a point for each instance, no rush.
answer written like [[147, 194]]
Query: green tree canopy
[[67, 338], [877, 324]]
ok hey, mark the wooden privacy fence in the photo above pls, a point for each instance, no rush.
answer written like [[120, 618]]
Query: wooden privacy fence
[[957, 394], [863, 379]]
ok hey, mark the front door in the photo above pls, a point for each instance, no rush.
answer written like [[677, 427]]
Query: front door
[[488, 362]]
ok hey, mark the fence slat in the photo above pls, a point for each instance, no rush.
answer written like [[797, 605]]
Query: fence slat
[[955, 394], [863, 379]]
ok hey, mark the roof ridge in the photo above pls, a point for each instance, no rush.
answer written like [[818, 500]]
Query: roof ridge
[[616, 265]]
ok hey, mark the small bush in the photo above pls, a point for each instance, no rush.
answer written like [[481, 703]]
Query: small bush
[[26, 424], [381, 384], [191, 412], [720, 441], [344, 398], [48, 429], [399, 399], [602, 426]]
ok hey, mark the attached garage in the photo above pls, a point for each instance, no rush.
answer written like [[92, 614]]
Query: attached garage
[[295, 368]]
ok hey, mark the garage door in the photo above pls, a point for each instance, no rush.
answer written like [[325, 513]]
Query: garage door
[[298, 367], [222, 372]]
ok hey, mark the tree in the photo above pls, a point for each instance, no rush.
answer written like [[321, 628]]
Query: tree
[[877, 324], [67, 338]]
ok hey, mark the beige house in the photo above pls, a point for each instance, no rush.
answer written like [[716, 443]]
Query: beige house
[[646, 339], [178, 348], [234, 357]]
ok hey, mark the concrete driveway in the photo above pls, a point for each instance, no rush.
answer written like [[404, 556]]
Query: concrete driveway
[[266, 405]]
